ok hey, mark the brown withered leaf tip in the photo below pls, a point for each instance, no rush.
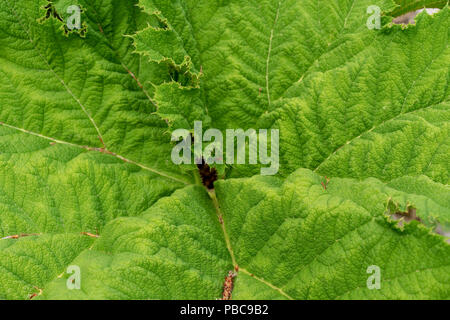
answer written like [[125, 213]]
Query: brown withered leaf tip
[[51, 11], [409, 215], [208, 174], [228, 286], [88, 234], [34, 295]]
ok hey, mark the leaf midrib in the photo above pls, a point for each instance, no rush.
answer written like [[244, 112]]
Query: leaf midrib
[[96, 149]]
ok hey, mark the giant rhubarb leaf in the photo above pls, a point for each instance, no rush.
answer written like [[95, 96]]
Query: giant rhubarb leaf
[[86, 177]]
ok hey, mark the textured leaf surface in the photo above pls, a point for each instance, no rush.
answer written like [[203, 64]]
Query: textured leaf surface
[[377, 100], [175, 250], [83, 91], [86, 177], [311, 243], [57, 192], [291, 239]]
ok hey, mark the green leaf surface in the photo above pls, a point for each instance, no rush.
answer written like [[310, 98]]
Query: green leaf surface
[[377, 99], [291, 240], [304, 242], [87, 180], [54, 192], [28, 265], [175, 250], [82, 91]]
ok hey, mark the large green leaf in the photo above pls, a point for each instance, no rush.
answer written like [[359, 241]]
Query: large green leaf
[[86, 177], [86, 91], [290, 239]]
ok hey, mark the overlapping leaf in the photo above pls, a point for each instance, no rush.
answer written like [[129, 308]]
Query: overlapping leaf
[[291, 240]]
